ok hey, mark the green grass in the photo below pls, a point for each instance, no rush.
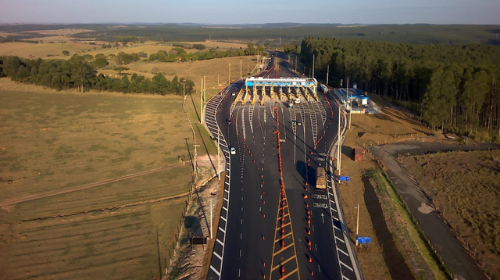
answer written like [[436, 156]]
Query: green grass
[[408, 237]]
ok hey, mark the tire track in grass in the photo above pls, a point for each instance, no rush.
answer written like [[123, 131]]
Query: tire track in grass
[[17, 200], [111, 208]]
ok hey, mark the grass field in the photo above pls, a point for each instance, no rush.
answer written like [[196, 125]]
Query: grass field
[[465, 188], [91, 175]]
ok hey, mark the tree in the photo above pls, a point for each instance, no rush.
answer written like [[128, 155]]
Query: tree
[[100, 61], [124, 84], [65, 53], [22, 73], [439, 98], [120, 69]]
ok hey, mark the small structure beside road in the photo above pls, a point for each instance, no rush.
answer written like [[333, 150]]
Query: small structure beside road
[[357, 154]]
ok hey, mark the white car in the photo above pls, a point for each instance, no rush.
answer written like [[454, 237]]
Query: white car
[[233, 151]]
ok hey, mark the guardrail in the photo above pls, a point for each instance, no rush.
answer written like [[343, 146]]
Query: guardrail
[[345, 231], [216, 262]]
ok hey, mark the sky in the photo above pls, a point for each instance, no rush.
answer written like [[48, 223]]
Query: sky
[[251, 12]]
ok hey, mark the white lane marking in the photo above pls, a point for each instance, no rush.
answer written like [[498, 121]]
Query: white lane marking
[[341, 240], [223, 207], [220, 242], [345, 265], [221, 229], [214, 270], [223, 218], [217, 255], [226, 199], [338, 249]]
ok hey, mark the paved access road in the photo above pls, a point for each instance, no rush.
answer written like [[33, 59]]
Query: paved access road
[[454, 255], [265, 233]]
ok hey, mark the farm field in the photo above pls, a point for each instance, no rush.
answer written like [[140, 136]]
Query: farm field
[[465, 189], [85, 181]]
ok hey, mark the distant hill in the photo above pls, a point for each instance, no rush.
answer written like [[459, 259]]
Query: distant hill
[[285, 31]]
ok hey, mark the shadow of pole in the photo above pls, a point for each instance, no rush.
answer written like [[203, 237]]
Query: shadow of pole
[[194, 106], [206, 149], [393, 258]]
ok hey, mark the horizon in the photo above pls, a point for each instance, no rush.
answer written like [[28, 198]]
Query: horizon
[[224, 12]]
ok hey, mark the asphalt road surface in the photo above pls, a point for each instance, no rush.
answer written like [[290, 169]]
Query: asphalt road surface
[[274, 224]]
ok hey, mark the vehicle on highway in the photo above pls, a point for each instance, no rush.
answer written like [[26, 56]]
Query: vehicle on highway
[[233, 151], [320, 179], [299, 123], [297, 100]]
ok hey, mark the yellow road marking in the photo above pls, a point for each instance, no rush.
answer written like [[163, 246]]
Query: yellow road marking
[[292, 272], [282, 263], [281, 250]]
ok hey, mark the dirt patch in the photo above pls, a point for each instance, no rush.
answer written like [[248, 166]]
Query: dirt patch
[[464, 187]]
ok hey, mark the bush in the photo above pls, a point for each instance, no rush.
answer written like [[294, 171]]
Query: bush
[[481, 135]]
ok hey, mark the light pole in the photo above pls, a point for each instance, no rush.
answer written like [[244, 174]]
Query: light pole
[[357, 227], [218, 154], [338, 145], [201, 101]]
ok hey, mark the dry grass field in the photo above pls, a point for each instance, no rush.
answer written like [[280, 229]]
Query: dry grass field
[[85, 181], [60, 32], [45, 50], [465, 187]]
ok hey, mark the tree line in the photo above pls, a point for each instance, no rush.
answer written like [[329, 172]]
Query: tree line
[[451, 87], [179, 54], [78, 73]]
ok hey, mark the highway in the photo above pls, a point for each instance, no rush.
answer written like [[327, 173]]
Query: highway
[[274, 223]]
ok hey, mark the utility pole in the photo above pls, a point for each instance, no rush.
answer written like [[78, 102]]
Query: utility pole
[[357, 227], [350, 103], [229, 76], [194, 165], [327, 73], [313, 68], [338, 145], [201, 100], [218, 154], [211, 218], [204, 88]]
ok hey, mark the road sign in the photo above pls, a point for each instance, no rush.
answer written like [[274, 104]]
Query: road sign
[[362, 240], [344, 178]]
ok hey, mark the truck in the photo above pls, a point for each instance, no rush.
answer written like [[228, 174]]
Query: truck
[[320, 179]]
